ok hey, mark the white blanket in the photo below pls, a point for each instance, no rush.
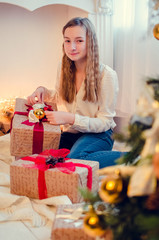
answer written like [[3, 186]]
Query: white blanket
[[36, 213]]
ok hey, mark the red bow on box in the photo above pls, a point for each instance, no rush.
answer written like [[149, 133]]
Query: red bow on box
[[59, 156]]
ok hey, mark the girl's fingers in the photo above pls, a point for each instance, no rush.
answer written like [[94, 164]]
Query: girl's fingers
[[31, 100], [40, 97]]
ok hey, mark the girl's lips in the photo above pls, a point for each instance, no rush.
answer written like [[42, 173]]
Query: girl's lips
[[72, 54]]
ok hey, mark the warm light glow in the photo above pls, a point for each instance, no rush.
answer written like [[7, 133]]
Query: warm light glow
[[155, 104], [92, 220], [157, 147], [110, 185], [6, 105]]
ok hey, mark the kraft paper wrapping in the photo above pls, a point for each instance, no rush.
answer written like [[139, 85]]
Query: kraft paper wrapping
[[24, 180], [66, 230], [22, 135]]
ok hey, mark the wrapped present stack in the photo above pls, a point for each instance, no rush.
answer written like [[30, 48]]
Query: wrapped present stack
[[30, 138], [27, 178]]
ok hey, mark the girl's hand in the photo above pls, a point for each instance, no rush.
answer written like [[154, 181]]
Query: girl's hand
[[36, 96], [60, 118]]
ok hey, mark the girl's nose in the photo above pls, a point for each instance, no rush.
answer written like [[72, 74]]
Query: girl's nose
[[73, 45]]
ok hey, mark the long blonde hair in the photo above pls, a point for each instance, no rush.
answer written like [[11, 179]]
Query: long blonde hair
[[93, 75]]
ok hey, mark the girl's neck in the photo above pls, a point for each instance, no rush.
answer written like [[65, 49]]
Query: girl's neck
[[80, 66]]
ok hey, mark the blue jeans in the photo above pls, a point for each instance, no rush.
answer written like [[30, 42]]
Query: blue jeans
[[91, 146]]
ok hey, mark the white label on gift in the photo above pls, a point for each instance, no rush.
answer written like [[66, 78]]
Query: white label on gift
[[32, 117]]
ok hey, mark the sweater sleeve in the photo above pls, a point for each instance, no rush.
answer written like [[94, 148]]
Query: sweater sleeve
[[103, 120]]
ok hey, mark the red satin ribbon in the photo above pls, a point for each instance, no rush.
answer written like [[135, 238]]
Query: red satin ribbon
[[66, 167], [89, 176], [38, 136]]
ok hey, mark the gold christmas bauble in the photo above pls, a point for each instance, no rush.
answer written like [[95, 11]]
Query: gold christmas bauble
[[113, 189], [39, 113], [156, 31], [93, 225]]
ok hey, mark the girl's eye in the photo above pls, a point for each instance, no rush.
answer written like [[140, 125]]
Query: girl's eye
[[79, 40], [67, 41]]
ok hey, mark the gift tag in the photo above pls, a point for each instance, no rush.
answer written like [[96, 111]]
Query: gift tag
[[142, 182], [75, 215]]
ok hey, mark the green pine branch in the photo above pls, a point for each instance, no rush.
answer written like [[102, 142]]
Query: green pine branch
[[89, 196], [134, 139]]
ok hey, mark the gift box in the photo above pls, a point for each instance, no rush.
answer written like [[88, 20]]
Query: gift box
[[66, 228], [27, 179], [5, 124], [68, 224], [26, 139]]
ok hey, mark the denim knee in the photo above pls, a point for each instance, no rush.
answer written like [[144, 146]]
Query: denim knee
[[91, 143]]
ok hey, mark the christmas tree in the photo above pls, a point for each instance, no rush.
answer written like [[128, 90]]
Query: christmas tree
[[127, 203]]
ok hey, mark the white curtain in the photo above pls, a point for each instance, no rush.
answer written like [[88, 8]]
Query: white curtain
[[130, 51], [104, 30]]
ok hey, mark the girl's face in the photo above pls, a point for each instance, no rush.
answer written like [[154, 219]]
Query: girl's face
[[75, 43]]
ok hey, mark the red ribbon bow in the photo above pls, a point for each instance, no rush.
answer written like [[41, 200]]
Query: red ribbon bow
[[46, 108]]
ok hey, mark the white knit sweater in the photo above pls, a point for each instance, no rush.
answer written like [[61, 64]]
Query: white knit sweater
[[91, 117]]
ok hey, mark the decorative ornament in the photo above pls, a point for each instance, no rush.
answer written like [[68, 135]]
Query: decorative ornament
[[52, 161], [38, 110], [93, 224], [100, 207], [156, 31], [153, 14], [113, 189], [39, 113], [155, 161]]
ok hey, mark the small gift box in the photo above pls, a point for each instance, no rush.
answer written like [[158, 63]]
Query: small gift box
[[32, 137], [5, 125], [68, 223], [38, 176]]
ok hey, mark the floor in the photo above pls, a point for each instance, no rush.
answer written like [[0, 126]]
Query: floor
[[20, 231]]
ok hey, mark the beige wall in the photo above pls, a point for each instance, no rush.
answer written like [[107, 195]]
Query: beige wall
[[31, 46]]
